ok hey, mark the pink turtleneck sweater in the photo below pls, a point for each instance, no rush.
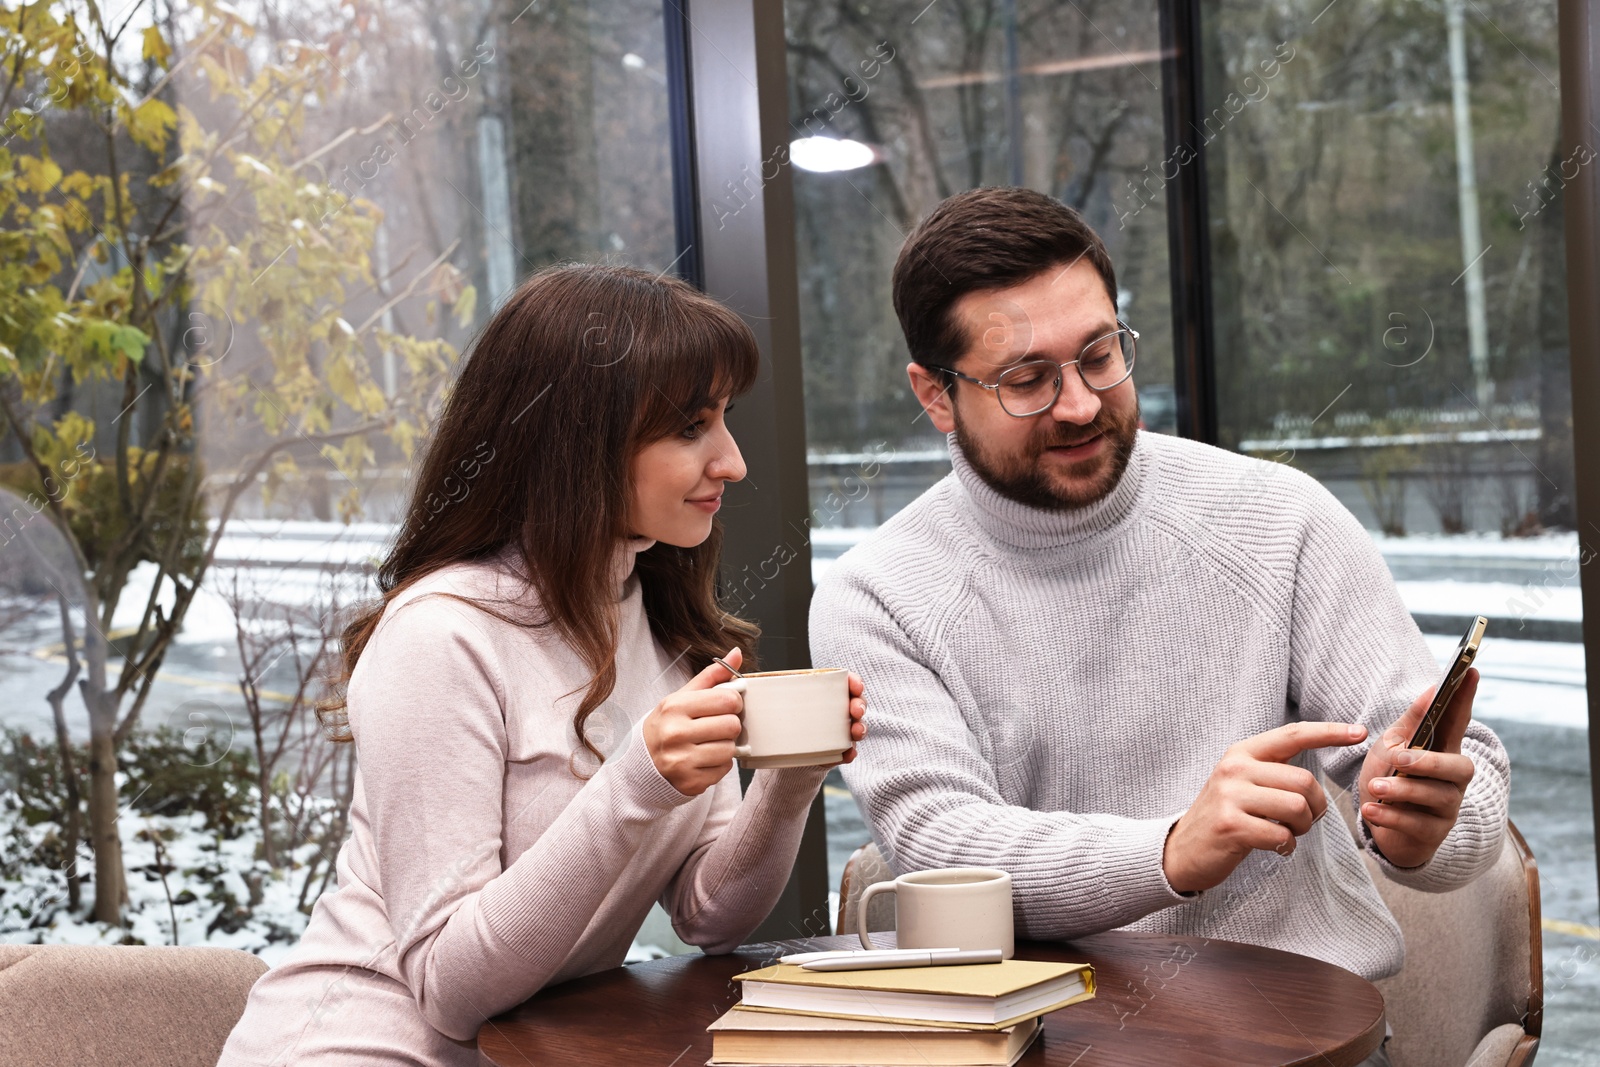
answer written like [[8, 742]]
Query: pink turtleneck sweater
[[479, 869]]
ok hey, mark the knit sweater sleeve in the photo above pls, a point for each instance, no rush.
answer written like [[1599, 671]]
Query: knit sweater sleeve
[[472, 938], [741, 861], [933, 799], [1356, 655]]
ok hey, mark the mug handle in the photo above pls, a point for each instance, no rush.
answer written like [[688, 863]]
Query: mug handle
[[861, 910], [738, 685]]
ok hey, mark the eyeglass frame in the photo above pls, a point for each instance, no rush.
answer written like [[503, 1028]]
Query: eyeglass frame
[[1122, 327]]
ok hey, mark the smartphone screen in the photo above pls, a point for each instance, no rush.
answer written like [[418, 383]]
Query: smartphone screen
[[1427, 735]]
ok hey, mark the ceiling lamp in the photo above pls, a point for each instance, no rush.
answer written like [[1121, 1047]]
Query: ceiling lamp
[[826, 155]]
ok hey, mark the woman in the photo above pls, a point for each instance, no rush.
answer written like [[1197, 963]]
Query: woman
[[541, 754]]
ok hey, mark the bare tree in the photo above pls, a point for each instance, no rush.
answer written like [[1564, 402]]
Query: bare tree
[[1448, 480], [303, 779], [1383, 483], [45, 550]]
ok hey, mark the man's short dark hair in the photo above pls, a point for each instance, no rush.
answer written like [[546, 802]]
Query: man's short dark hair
[[988, 238]]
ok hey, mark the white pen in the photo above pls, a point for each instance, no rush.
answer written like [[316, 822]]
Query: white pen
[[850, 953], [920, 958]]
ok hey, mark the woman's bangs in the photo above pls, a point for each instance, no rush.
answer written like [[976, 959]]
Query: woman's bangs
[[704, 352]]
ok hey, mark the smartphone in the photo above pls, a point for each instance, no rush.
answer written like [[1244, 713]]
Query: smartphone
[[1427, 730]]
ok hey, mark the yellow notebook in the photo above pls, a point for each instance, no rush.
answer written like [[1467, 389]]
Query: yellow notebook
[[763, 1037], [984, 996]]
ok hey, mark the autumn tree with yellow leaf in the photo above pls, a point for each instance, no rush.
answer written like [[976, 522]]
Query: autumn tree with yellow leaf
[[122, 264]]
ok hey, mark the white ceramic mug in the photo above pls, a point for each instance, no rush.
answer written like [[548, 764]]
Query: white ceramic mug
[[949, 907], [793, 718]]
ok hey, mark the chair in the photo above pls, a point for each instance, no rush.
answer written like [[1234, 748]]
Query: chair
[[865, 867], [1472, 991], [120, 1006]]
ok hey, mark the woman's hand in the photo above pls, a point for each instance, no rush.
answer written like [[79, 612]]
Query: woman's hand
[[690, 734], [858, 711]]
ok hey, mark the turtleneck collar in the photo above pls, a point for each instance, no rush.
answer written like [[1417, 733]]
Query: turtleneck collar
[[623, 558], [1024, 526]]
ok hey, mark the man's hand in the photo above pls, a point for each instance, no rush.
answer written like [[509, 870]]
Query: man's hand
[[1417, 811], [1253, 799], [690, 734]]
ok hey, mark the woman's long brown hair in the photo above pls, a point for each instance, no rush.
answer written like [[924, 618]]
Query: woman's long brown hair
[[581, 367]]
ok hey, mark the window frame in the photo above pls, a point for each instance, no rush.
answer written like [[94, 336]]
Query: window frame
[[725, 133]]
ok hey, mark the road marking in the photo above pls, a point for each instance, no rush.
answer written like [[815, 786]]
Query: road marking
[[1562, 926], [45, 655]]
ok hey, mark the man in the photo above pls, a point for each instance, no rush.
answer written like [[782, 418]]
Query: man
[[1115, 663]]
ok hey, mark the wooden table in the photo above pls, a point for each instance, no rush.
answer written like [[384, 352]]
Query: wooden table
[[1166, 1001]]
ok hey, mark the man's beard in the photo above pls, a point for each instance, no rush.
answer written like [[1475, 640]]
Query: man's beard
[[1021, 477]]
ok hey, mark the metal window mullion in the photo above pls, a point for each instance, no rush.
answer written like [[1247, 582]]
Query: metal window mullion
[[738, 98], [1188, 222], [680, 112], [1578, 39]]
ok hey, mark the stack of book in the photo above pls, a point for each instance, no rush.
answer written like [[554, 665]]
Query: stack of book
[[977, 1015]]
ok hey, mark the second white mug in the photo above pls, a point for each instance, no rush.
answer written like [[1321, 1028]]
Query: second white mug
[[949, 907]]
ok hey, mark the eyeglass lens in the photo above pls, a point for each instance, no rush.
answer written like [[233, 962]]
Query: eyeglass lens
[[1031, 387]]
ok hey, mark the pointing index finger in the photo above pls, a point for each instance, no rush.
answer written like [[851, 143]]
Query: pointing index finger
[[1285, 742]]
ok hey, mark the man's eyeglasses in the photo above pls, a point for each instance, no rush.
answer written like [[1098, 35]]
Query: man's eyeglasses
[[1029, 388]]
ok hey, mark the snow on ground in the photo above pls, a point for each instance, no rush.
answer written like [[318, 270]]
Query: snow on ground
[[1551, 547], [294, 563], [1538, 682], [1499, 600], [200, 867], [175, 895]]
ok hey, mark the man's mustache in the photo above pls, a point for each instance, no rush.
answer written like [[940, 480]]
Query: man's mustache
[[1080, 435], [1108, 424], [1074, 442]]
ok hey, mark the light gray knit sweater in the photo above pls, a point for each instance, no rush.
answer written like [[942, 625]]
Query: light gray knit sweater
[[1051, 690]]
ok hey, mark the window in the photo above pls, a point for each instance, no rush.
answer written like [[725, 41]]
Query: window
[[358, 187], [894, 107], [1388, 276]]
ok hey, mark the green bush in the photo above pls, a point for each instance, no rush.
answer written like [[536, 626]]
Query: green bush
[[175, 789], [159, 775]]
